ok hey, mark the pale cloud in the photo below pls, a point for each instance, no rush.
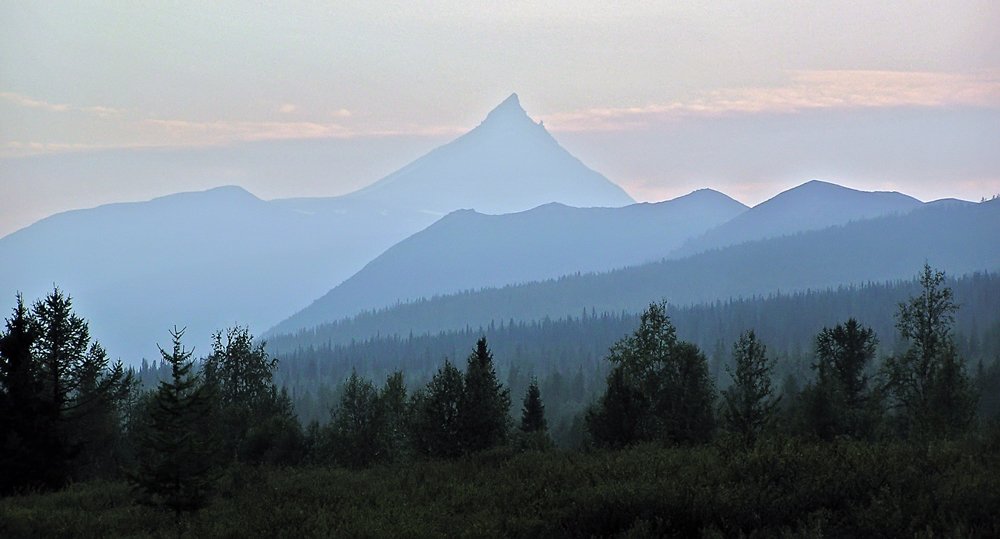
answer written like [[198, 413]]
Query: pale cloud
[[216, 132], [32, 103], [287, 108], [186, 132], [25, 101], [805, 90]]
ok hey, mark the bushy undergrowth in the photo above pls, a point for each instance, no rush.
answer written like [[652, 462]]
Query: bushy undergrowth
[[781, 487]]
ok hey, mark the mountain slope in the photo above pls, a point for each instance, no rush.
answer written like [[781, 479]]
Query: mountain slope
[[469, 250], [813, 205], [506, 164], [958, 238], [210, 259]]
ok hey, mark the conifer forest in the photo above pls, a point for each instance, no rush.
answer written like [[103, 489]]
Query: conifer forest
[[813, 414]]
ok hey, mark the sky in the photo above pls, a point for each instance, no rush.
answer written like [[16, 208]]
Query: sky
[[112, 101]]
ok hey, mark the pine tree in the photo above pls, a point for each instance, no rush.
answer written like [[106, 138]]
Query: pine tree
[[484, 413], [842, 402], [534, 429], [750, 403], [619, 418], [176, 458], [533, 411], [25, 432]]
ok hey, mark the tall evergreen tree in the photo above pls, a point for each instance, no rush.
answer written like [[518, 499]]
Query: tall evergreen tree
[[25, 431], [484, 413], [928, 381], [533, 411], [177, 458], [841, 403], [534, 428], [750, 403]]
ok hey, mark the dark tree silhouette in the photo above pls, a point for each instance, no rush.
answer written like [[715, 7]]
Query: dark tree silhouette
[[436, 425], [664, 383], [533, 411], [842, 404], [928, 382], [177, 458], [750, 403], [484, 413], [358, 424]]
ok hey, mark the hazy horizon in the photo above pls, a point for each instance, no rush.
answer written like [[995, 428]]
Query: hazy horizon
[[662, 100]]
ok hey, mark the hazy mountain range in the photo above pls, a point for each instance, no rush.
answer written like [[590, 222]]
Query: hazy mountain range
[[210, 259], [469, 250], [958, 237]]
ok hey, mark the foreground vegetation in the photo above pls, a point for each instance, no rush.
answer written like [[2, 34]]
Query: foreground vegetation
[[781, 486], [868, 447]]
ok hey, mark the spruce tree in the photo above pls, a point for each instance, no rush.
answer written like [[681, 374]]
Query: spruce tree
[[177, 457], [534, 429], [533, 411], [25, 431], [484, 414], [750, 403], [842, 401]]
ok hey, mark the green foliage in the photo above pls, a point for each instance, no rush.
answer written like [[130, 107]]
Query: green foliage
[[750, 403], [928, 382], [484, 409], [177, 459], [436, 426], [358, 425], [251, 412], [659, 388], [395, 408], [840, 402], [533, 411], [61, 402], [782, 487]]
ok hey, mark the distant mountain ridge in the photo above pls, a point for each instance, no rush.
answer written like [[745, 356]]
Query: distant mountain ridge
[[958, 238], [469, 250], [210, 259], [814, 205]]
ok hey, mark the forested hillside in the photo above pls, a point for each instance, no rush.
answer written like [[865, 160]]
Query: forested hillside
[[960, 237], [566, 354]]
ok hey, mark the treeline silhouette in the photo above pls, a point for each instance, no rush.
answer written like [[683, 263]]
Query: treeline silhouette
[[567, 355], [70, 416]]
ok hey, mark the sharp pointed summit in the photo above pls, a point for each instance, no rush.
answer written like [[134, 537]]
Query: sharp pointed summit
[[508, 110], [506, 164]]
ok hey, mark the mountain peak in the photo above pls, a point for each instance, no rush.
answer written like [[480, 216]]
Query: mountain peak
[[509, 109]]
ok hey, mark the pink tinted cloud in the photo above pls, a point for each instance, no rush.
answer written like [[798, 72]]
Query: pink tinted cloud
[[805, 90], [32, 103]]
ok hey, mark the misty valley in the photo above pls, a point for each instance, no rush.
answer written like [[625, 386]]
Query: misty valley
[[498, 341]]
